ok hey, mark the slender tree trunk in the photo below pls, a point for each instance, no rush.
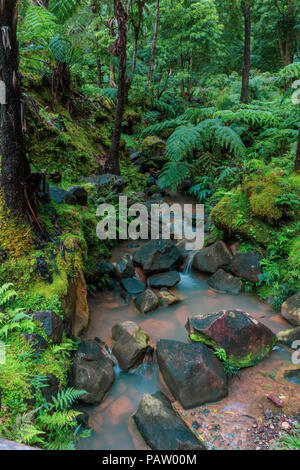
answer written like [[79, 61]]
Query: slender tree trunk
[[119, 49], [246, 69], [280, 45], [297, 161], [137, 28], [99, 73], [154, 42], [112, 82], [15, 169], [135, 48]]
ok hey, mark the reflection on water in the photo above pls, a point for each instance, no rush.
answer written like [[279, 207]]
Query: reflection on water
[[110, 419]]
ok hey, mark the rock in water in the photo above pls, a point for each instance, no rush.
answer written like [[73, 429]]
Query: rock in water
[[225, 282], [212, 257], [92, 371], [246, 265], [125, 267], [192, 372], [161, 427], [287, 337], [168, 297], [133, 286], [290, 309], [158, 256], [169, 279], [131, 344], [245, 340], [147, 301]]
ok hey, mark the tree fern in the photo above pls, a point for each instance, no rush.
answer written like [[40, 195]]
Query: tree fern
[[7, 293], [173, 174], [63, 9], [182, 142]]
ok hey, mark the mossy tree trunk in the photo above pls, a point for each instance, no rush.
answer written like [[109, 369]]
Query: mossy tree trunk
[[118, 49], [246, 69], [15, 170]]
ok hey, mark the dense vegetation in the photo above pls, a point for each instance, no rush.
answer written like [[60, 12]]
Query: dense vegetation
[[209, 92]]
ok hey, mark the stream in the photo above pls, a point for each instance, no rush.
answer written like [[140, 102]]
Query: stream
[[247, 392]]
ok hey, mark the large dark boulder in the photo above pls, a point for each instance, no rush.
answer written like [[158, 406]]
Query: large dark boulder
[[61, 196], [225, 282], [161, 427], [245, 340], [107, 181], [158, 256], [290, 309], [80, 195], [192, 372], [212, 257], [125, 267], [147, 301], [133, 286], [92, 371], [131, 344], [168, 279], [52, 324], [246, 265]]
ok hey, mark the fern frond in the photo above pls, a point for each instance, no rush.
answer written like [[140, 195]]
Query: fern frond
[[228, 138], [182, 142], [66, 398], [63, 9], [173, 174]]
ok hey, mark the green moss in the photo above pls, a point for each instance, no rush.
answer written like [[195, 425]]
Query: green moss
[[247, 361]]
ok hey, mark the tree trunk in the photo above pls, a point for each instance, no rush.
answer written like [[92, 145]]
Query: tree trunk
[[297, 161], [61, 84], [119, 49], [15, 169], [99, 73], [136, 28], [112, 82], [246, 69], [154, 42], [280, 45]]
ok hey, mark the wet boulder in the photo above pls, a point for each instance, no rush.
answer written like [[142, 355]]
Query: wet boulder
[[61, 196], [161, 427], [133, 286], [49, 389], [105, 267], [212, 257], [131, 344], [287, 337], [92, 371], [147, 301], [125, 267], [225, 282], [52, 324], [246, 265], [168, 298], [80, 195], [245, 340], [158, 256], [168, 279], [192, 372], [290, 309], [106, 181]]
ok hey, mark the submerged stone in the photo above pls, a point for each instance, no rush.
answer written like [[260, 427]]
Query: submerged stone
[[212, 257], [225, 282], [147, 301], [168, 279]]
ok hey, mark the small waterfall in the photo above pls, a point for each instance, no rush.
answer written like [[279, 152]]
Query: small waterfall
[[188, 266]]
